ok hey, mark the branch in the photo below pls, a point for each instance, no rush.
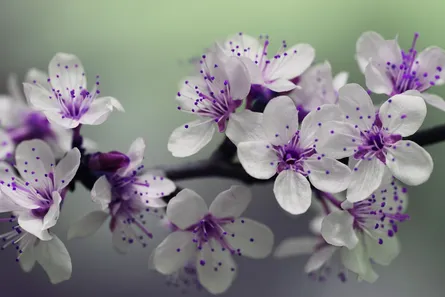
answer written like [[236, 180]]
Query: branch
[[429, 136]]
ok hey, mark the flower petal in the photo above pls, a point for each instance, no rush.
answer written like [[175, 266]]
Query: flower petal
[[34, 160], [239, 79], [87, 225], [6, 145], [377, 79], [245, 126], [36, 76], [186, 209], [189, 91], [338, 229], [366, 177], [258, 159], [409, 162], [152, 186], [98, 111], [27, 257], [136, 156], [340, 80], [53, 213], [212, 276], [434, 100], [66, 73], [40, 98], [403, 114], [55, 259], [101, 192], [293, 192], [385, 253], [33, 225], [280, 121], [231, 203], [337, 139], [190, 138], [432, 61], [357, 261], [314, 120], [280, 85], [296, 246], [328, 175], [67, 168], [357, 106], [319, 258], [174, 252], [14, 89], [57, 118], [250, 238], [292, 62]]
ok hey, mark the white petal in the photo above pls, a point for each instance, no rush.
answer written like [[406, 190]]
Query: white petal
[[357, 261], [34, 159], [189, 93], [101, 192], [186, 209], [61, 142], [296, 246], [366, 177], [340, 80], [40, 98], [66, 169], [293, 192], [152, 186], [53, 213], [384, 253], [98, 111], [120, 243], [255, 74], [258, 158], [409, 162], [66, 72], [430, 60], [403, 114], [239, 79], [231, 203], [7, 204], [280, 85], [292, 63], [377, 79], [245, 126], [314, 120], [27, 257], [280, 121], [357, 106], [174, 252], [14, 88], [434, 100], [337, 139], [217, 280], [338, 229], [136, 156], [6, 145], [241, 42], [253, 239], [87, 225], [328, 175], [34, 226], [36, 76], [190, 138], [55, 259], [57, 118], [319, 258]]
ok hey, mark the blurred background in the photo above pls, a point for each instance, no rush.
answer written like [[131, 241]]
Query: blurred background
[[142, 49]]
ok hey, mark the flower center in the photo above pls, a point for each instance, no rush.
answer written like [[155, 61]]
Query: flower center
[[211, 228], [291, 156]]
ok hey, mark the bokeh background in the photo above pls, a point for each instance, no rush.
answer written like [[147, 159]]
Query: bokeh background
[[142, 49]]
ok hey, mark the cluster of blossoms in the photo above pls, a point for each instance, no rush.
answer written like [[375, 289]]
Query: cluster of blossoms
[[321, 141]]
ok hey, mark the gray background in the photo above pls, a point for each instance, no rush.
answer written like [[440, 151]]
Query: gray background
[[141, 49]]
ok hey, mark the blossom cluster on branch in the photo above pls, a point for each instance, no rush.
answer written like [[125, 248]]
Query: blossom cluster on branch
[[321, 141]]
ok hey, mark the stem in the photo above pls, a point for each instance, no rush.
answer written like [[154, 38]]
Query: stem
[[429, 136]]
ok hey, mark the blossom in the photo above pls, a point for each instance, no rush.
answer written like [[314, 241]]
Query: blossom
[[275, 73], [368, 229], [318, 87], [374, 224], [20, 122], [35, 197], [124, 195], [292, 153], [65, 99], [213, 97], [374, 142], [210, 236], [51, 254], [390, 70]]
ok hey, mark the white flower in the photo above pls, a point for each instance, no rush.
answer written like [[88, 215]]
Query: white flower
[[123, 197], [367, 229], [35, 197], [213, 97], [21, 122], [276, 73], [390, 70], [65, 99], [317, 87], [292, 154], [374, 142], [211, 236]]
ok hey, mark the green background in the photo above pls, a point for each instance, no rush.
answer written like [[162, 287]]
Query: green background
[[141, 50]]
